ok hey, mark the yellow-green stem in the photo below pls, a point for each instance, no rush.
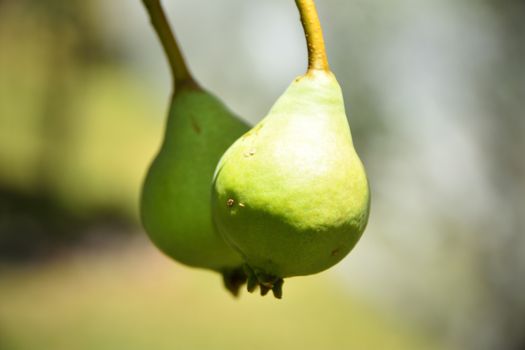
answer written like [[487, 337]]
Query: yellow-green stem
[[314, 35], [179, 70]]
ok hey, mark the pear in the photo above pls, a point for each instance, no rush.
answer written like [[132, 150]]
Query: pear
[[175, 201], [291, 195]]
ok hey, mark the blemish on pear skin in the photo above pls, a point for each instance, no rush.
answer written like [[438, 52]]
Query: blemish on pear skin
[[334, 252], [249, 153], [230, 202], [241, 205], [195, 126]]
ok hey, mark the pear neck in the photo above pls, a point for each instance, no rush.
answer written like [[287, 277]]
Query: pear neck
[[179, 70], [186, 85]]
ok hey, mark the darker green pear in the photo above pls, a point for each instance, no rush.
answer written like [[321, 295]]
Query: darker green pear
[[291, 195], [175, 200], [175, 205]]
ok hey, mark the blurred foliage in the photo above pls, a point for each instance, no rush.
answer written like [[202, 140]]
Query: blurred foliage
[[75, 137], [80, 296]]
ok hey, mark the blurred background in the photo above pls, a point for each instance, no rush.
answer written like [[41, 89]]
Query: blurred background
[[434, 92]]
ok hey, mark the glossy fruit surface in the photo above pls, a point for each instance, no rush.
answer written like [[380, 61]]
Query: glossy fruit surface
[[175, 202], [291, 195]]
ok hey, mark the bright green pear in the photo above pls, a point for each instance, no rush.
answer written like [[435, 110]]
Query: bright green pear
[[175, 202], [291, 195]]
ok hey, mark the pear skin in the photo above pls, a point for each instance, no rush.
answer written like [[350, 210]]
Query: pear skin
[[291, 195], [175, 201]]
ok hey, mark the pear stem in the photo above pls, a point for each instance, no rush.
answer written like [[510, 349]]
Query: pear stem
[[314, 35], [179, 70]]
